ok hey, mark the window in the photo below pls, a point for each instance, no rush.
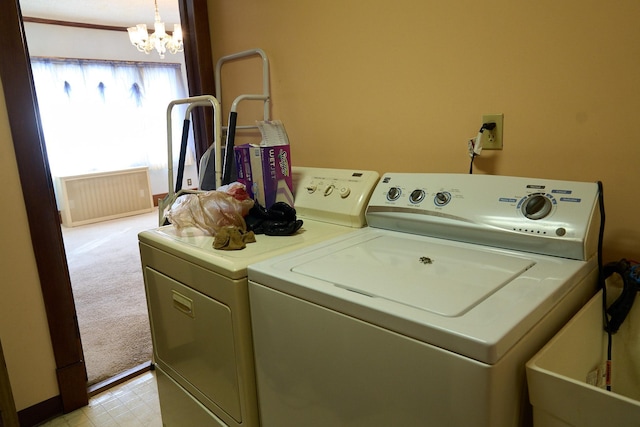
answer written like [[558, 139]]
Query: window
[[107, 115]]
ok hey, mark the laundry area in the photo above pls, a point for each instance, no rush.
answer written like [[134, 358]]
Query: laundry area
[[404, 223]]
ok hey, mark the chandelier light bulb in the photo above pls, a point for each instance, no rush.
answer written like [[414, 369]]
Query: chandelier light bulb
[[177, 33]]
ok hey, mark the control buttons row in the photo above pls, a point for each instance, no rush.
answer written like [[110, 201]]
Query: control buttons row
[[418, 195], [342, 191], [560, 231]]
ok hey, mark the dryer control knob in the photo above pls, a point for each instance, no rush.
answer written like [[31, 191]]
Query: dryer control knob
[[311, 189], [344, 192], [329, 190]]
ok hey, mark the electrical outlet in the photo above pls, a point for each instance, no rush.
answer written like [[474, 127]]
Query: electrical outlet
[[492, 139], [188, 181]]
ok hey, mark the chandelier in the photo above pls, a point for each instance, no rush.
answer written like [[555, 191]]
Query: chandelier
[[159, 40]]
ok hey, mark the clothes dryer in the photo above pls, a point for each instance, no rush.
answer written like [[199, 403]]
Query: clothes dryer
[[428, 316], [198, 300]]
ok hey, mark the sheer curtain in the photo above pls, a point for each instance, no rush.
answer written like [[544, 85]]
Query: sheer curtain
[[107, 115]]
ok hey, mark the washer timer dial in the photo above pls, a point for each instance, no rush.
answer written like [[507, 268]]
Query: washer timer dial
[[536, 206]]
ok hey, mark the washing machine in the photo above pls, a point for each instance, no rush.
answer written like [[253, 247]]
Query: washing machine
[[198, 300], [427, 316]]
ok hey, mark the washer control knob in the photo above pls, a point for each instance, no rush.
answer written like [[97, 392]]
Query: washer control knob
[[344, 192], [537, 206], [311, 189], [329, 189], [442, 198], [394, 194], [417, 196]]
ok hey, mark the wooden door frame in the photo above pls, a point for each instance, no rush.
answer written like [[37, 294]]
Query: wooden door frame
[[198, 56], [37, 186], [42, 212]]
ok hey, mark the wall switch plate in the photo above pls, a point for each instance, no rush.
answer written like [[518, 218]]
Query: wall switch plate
[[492, 139], [188, 181]]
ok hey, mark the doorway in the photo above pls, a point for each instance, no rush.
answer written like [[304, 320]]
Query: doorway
[[94, 121], [37, 187]]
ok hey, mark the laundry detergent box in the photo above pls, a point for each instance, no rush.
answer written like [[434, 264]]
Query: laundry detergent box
[[265, 168], [271, 174]]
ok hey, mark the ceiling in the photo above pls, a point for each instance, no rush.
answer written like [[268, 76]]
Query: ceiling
[[121, 13]]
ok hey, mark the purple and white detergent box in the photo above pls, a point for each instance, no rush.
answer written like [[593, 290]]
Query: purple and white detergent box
[[266, 172], [265, 169], [271, 174]]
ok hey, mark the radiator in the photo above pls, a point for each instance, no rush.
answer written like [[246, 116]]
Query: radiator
[[101, 196]]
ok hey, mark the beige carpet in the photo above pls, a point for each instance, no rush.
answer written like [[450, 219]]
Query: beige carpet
[[108, 289]]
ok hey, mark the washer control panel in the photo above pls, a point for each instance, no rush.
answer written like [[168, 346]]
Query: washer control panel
[[543, 216]]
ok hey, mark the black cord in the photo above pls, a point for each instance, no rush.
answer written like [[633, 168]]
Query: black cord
[[602, 284], [601, 278]]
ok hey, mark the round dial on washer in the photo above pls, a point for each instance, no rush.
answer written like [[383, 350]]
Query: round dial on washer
[[417, 196], [393, 193], [537, 206], [442, 198]]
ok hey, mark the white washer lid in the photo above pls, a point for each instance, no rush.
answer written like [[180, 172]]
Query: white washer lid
[[445, 280], [505, 304]]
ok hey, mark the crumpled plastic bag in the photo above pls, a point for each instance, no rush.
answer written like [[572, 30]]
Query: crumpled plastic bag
[[211, 210]]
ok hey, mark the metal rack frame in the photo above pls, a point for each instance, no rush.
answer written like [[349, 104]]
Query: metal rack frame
[[265, 96], [196, 101], [218, 128]]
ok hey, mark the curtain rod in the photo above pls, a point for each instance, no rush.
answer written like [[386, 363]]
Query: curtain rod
[[119, 61], [72, 24]]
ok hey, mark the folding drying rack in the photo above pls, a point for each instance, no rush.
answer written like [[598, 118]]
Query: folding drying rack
[[222, 172]]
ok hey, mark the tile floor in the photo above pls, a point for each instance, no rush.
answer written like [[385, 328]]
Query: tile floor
[[132, 404]]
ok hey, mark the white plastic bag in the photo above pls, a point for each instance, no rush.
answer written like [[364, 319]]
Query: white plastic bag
[[211, 210]]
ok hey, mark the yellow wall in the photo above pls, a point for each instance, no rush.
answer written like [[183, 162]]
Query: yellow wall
[[402, 85], [23, 326]]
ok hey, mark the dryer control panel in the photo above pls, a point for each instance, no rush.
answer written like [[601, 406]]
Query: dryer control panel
[[558, 218], [338, 196]]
